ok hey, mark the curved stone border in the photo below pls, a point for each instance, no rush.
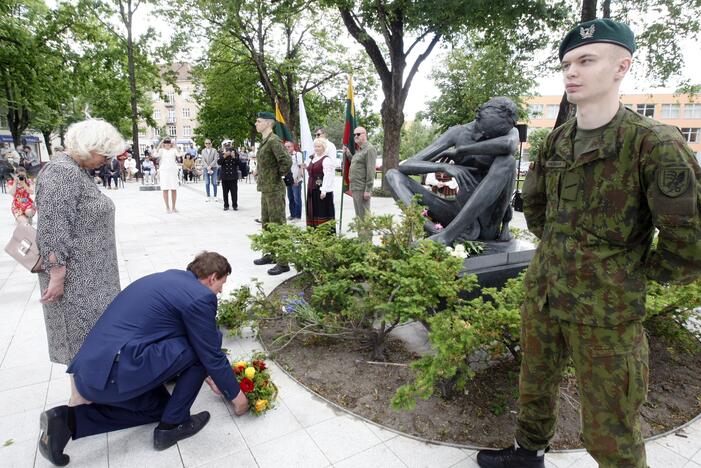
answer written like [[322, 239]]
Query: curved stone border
[[431, 441]]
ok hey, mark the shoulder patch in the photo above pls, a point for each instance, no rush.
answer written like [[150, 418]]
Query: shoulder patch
[[673, 180]]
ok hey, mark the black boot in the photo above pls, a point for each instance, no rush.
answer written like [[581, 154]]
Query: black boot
[[164, 438], [511, 457], [55, 434], [278, 269], [264, 260]]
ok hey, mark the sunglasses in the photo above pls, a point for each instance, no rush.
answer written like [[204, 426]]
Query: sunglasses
[[319, 134], [357, 134]]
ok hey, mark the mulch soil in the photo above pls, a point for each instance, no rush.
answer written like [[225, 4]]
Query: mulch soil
[[485, 415]]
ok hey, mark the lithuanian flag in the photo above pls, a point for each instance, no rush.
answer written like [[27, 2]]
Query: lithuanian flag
[[281, 129], [348, 140]]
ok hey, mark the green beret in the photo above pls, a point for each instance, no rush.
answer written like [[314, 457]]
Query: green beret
[[266, 115], [598, 30]]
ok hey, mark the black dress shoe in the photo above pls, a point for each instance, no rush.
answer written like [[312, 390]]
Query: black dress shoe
[[264, 260], [511, 457], [278, 269], [258, 221], [236, 208], [164, 438], [55, 435]]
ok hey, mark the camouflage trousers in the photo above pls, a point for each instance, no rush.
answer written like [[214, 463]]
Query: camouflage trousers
[[272, 207], [611, 365]]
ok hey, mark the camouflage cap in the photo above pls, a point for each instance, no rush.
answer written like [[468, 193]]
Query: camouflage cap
[[598, 30], [266, 115]]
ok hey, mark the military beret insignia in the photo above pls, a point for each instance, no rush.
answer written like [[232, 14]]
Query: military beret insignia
[[673, 181], [598, 30]]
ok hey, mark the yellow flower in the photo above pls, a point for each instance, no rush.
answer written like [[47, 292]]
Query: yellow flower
[[241, 364], [260, 405], [249, 372]]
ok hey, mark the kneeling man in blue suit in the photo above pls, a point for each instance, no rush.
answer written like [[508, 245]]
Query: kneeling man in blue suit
[[162, 327]]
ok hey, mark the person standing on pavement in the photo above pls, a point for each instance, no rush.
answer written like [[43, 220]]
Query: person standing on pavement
[[167, 156], [361, 175], [273, 163], [601, 185], [294, 191], [330, 147], [210, 168], [229, 170]]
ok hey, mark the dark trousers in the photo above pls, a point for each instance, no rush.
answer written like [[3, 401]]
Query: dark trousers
[[112, 411], [232, 187], [294, 195]]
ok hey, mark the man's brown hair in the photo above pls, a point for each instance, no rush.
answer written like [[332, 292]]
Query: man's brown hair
[[206, 263]]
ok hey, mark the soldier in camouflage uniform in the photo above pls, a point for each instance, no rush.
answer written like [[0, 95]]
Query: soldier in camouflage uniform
[[594, 195], [273, 163]]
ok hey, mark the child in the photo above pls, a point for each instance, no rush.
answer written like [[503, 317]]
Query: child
[[21, 188]]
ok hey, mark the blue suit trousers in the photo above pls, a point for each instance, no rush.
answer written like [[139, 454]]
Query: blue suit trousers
[[112, 411]]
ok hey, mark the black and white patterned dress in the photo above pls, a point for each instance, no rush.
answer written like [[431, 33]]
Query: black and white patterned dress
[[76, 223]]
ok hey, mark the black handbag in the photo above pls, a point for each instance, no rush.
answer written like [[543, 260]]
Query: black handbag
[[288, 179]]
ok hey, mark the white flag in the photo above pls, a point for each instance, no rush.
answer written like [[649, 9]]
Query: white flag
[[306, 142]]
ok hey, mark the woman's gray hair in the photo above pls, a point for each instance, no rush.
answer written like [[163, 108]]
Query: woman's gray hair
[[322, 142], [93, 135]]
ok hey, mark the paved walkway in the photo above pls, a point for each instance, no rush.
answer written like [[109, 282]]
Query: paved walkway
[[303, 431]]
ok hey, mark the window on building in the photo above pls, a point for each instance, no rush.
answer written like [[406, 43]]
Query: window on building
[[185, 93], [172, 131], [156, 114], [155, 132], [170, 97], [171, 115], [535, 111], [648, 110], [3, 121], [142, 132], [670, 111], [551, 111], [186, 112], [692, 111], [187, 131], [692, 135]]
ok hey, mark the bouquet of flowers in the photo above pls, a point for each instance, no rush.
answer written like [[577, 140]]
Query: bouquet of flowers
[[255, 382]]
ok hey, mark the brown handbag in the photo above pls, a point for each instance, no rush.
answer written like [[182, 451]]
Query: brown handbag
[[23, 247]]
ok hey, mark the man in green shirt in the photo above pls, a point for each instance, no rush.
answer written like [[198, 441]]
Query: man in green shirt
[[361, 175], [598, 189], [273, 164]]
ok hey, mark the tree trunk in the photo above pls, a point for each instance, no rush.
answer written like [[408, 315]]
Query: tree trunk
[[132, 89], [17, 118], [606, 9], [392, 121], [47, 141]]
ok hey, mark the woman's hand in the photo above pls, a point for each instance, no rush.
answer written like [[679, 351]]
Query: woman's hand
[[322, 195], [54, 292]]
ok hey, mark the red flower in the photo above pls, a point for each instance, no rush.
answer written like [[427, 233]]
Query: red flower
[[239, 369], [259, 365], [246, 385]]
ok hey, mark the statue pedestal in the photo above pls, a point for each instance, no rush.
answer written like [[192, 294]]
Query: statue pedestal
[[499, 262]]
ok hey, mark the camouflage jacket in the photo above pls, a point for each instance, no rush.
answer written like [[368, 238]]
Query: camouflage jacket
[[596, 216], [273, 162]]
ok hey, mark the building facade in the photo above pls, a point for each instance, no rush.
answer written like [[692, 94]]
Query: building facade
[[176, 115], [681, 110]]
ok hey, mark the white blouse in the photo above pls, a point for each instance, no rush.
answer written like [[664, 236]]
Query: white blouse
[[329, 167]]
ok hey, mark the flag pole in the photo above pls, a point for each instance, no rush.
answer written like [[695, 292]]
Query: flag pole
[[343, 177]]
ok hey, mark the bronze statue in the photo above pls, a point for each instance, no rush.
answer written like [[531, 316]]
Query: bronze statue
[[480, 157]]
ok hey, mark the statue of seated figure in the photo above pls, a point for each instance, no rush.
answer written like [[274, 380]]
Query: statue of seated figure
[[483, 164]]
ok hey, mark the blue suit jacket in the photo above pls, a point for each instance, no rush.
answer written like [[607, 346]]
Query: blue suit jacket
[[150, 323]]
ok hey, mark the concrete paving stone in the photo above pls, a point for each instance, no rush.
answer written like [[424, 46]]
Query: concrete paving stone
[[88, 452], [692, 464], [379, 456], [19, 400], [133, 447], [59, 392], [418, 454], [19, 454], [58, 371], [469, 462], [220, 437], [240, 459], [686, 442], [563, 460], [20, 427], [26, 350], [22, 376], [659, 456], [272, 425], [342, 436], [383, 434], [295, 450], [308, 408]]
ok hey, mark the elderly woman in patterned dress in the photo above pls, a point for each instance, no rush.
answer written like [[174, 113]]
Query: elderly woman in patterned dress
[[75, 234]]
